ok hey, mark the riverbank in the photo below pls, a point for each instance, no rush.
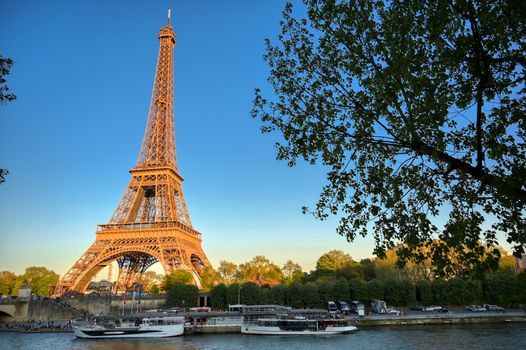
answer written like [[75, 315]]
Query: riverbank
[[203, 327], [35, 326], [439, 319], [40, 330]]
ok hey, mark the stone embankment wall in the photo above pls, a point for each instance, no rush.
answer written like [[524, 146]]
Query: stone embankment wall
[[107, 305], [91, 305], [50, 310], [70, 308], [442, 319]]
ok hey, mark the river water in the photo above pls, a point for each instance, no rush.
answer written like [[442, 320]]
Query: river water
[[482, 336]]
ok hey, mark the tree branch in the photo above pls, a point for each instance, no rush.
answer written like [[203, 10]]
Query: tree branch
[[512, 190]]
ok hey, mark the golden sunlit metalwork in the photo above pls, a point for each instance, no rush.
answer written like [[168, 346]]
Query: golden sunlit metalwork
[[151, 223]]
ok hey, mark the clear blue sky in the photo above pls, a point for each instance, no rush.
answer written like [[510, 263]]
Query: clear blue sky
[[83, 75]]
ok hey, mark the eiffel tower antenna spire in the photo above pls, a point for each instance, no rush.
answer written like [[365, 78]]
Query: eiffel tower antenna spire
[[169, 12], [151, 223]]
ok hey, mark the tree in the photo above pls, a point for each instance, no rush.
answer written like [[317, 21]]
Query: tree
[[292, 272], [386, 267], [424, 292], [521, 287], [358, 289], [278, 295], [459, 292], [295, 294], [311, 297], [5, 67], [507, 263], [369, 269], [228, 272], [325, 291], [233, 294], [500, 289], [209, 278], [177, 277], [261, 271], [182, 295], [7, 283], [341, 290], [417, 110], [399, 292], [218, 297], [3, 174], [5, 96], [333, 261], [150, 281], [250, 294], [375, 290], [40, 279], [336, 264]]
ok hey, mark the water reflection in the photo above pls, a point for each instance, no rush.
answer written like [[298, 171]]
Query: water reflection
[[486, 336]]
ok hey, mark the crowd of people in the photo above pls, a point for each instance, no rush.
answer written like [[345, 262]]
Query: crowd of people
[[38, 326]]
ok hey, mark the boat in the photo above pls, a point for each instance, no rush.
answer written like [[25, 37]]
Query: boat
[[298, 325], [133, 326]]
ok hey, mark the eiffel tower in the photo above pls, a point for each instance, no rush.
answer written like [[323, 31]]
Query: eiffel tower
[[151, 223]]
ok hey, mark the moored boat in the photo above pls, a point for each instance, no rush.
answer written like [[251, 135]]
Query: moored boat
[[298, 325], [132, 326]]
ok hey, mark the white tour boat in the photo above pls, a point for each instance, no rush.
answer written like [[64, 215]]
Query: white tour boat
[[298, 325], [133, 326]]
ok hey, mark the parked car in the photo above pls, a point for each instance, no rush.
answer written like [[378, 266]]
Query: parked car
[[417, 308], [391, 310], [432, 308], [491, 307], [475, 308]]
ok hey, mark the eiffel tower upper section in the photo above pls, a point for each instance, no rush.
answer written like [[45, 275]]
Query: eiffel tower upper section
[[158, 147], [154, 193]]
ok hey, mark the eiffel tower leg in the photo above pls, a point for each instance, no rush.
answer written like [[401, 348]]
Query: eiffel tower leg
[[84, 270], [198, 262], [190, 257]]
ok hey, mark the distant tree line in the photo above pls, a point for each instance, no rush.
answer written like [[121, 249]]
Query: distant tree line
[[338, 277], [504, 289]]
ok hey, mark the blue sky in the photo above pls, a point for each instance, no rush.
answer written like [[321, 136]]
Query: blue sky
[[83, 75]]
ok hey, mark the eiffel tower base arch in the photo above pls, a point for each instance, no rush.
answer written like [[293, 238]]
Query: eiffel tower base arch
[[135, 249]]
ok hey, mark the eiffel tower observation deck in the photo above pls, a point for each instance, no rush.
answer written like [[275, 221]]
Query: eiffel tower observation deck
[[151, 223]]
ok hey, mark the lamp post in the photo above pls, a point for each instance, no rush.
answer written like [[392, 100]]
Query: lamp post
[[239, 294]]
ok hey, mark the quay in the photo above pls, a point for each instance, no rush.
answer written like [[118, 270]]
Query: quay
[[440, 318], [207, 321]]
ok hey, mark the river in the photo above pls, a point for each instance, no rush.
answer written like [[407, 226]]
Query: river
[[475, 336]]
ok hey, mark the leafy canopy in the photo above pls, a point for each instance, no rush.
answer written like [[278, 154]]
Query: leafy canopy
[[5, 96], [416, 109], [333, 261]]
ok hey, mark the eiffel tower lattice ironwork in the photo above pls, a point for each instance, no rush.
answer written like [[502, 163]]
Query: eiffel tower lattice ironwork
[[151, 223]]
